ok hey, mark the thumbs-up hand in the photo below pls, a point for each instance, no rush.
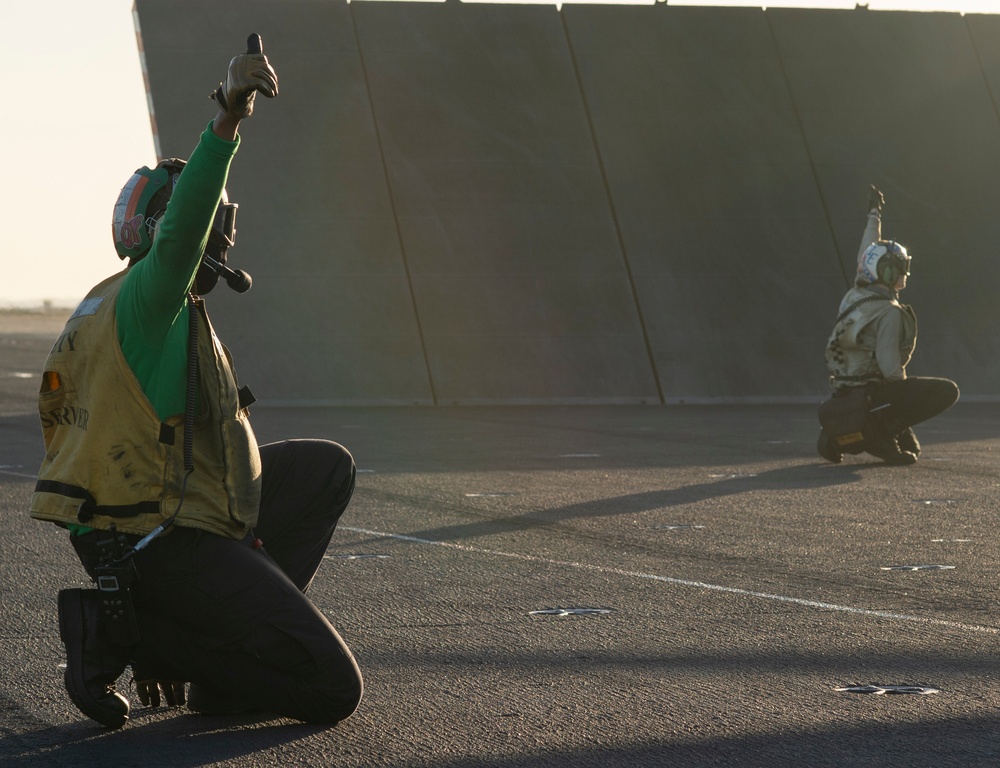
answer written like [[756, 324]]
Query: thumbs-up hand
[[248, 73]]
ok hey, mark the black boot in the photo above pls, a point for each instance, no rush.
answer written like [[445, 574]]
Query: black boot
[[891, 453], [907, 441], [92, 664], [827, 447]]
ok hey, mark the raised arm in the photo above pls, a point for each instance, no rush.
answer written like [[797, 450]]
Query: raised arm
[[873, 226], [158, 283]]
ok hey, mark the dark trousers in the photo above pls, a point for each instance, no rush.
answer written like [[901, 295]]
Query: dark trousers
[[912, 400], [234, 618]]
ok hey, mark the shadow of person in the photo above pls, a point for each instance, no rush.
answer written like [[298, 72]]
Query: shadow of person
[[165, 737], [796, 477]]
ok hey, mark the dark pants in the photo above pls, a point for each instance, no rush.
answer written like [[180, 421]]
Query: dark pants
[[912, 400], [234, 618]]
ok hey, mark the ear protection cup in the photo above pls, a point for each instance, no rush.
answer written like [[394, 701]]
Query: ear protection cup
[[893, 264], [889, 274], [884, 261]]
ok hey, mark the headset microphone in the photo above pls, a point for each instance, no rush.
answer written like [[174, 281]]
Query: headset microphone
[[238, 280]]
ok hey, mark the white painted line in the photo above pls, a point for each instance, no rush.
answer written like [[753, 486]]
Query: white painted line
[[17, 474], [678, 527], [921, 690], [570, 612], [684, 582]]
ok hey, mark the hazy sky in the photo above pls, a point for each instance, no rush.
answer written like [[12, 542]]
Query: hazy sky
[[75, 125]]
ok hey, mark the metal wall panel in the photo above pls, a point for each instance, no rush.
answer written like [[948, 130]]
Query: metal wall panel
[[330, 317], [504, 203], [517, 273], [713, 188]]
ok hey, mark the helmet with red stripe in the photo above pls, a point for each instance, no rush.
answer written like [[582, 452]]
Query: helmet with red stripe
[[142, 203]]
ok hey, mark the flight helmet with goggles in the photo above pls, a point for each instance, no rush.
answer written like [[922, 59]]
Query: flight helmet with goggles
[[142, 203], [884, 261]]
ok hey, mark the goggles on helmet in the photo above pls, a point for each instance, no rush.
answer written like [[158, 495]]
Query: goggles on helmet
[[223, 234], [902, 261]]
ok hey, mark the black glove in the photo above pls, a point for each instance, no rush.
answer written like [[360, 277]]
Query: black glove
[[875, 199], [248, 73]]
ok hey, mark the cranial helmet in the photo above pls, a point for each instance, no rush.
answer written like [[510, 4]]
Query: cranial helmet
[[884, 261], [142, 203]]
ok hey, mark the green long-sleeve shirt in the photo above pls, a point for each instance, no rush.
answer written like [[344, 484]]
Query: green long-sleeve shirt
[[152, 309]]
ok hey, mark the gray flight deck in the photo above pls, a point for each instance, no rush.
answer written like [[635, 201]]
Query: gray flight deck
[[498, 204], [734, 583]]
